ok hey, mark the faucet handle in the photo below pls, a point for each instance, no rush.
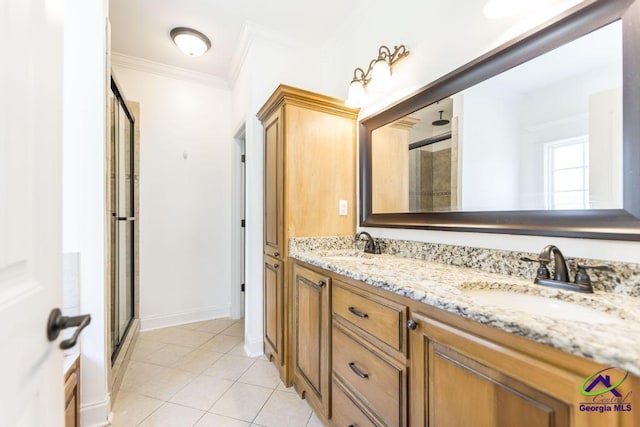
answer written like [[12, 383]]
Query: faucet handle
[[582, 277], [543, 270]]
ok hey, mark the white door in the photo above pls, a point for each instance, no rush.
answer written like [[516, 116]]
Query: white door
[[31, 377]]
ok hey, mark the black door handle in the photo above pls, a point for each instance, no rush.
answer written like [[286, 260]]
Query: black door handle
[[57, 322]]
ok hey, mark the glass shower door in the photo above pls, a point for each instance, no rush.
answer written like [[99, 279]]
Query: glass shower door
[[122, 222]]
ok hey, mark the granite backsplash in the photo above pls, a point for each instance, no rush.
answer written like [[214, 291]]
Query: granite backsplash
[[624, 278]]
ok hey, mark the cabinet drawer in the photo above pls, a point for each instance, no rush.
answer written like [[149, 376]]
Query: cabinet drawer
[[380, 318], [345, 411], [375, 377]]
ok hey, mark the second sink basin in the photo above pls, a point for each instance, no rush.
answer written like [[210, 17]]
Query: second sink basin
[[541, 306]]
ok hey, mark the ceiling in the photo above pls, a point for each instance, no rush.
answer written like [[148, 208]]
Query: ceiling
[[140, 28]]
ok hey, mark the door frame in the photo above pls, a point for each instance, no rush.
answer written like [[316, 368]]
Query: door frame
[[238, 263]]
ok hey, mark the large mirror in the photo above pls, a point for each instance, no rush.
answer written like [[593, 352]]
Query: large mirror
[[539, 136]]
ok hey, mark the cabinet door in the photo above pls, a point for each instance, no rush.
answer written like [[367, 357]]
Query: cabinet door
[[452, 389], [311, 317], [273, 309], [273, 186]]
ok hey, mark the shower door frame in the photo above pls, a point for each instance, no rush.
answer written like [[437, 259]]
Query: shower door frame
[[116, 344]]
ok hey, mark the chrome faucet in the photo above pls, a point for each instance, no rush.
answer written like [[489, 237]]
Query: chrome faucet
[[561, 271], [371, 247]]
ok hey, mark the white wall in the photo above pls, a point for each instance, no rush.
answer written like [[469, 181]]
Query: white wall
[[84, 98], [490, 154], [442, 36], [185, 204]]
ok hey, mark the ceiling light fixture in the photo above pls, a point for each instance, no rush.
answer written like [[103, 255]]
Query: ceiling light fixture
[[190, 41], [377, 76]]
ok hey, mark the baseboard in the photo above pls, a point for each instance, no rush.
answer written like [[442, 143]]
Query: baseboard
[[95, 414], [162, 321], [254, 347]]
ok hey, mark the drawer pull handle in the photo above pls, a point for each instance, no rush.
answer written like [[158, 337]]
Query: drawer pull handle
[[353, 425], [357, 371], [358, 313]]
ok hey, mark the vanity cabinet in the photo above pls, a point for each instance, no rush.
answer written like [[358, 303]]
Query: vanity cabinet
[[398, 362], [311, 337], [309, 167]]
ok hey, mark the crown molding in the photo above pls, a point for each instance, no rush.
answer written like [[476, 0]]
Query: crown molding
[[240, 54], [164, 70], [251, 32]]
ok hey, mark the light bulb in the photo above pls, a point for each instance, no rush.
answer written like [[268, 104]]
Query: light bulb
[[190, 45], [380, 76], [190, 41], [355, 98]]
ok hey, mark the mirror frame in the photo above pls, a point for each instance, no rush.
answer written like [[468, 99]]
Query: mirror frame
[[615, 224]]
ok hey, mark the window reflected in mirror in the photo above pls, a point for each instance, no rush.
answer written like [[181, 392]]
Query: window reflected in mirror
[[545, 135]]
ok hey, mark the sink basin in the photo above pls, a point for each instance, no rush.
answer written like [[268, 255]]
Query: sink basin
[[541, 306]]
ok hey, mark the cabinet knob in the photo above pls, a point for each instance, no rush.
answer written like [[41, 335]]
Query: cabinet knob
[[411, 324], [276, 254], [321, 283]]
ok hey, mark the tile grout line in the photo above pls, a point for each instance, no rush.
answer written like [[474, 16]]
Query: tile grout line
[[264, 404], [164, 402]]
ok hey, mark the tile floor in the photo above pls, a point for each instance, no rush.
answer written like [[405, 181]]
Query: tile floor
[[199, 375]]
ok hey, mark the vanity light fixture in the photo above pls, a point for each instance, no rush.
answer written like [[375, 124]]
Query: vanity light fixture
[[190, 41], [377, 76]]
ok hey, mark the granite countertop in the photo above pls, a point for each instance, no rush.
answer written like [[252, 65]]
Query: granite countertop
[[446, 287]]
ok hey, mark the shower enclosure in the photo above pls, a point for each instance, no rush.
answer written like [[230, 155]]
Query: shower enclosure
[[122, 221]]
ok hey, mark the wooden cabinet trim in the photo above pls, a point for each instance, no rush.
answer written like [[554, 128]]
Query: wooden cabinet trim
[[306, 99]]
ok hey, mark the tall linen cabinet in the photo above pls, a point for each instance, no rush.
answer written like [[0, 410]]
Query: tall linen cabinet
[[309, 167]]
